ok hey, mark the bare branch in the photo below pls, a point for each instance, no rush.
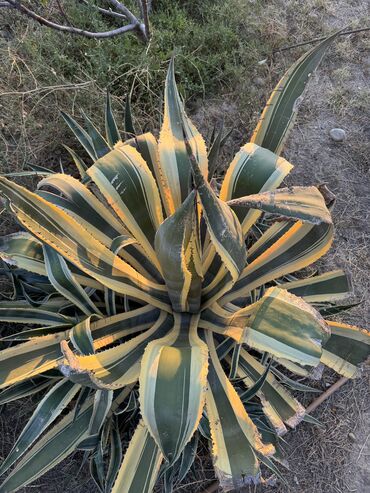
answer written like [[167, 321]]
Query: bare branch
[[134, 26], [149, 6], [109, 12], [326, 394], [144, 5], [130, 16]]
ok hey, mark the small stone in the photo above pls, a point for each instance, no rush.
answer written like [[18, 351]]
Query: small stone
[[259, 82], [352, 437], [337, 134]]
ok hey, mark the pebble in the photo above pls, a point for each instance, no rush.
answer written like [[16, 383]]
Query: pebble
[[337, 134], [259, 82], [352, 437]]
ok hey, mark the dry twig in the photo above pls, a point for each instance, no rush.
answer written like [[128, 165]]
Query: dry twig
[[317, 40], [133, 25]]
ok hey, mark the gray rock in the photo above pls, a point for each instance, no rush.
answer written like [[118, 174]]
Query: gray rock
[[337, 134], [259, 82]]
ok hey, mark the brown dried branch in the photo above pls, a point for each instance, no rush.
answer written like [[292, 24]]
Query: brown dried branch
[[326, 394]]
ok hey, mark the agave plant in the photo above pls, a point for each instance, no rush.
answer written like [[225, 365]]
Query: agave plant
[[162, 305]]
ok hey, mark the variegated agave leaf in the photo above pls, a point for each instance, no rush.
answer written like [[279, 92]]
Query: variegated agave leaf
[[155, 307]]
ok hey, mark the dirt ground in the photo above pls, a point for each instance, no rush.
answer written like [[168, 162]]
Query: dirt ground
[[334, 459]]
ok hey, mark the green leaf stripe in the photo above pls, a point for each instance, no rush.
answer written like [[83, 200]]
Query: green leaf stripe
[[55, 446], [115, 367], [45, 413], [141, 463], [278, 115], [172, 384], [64, 282]]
